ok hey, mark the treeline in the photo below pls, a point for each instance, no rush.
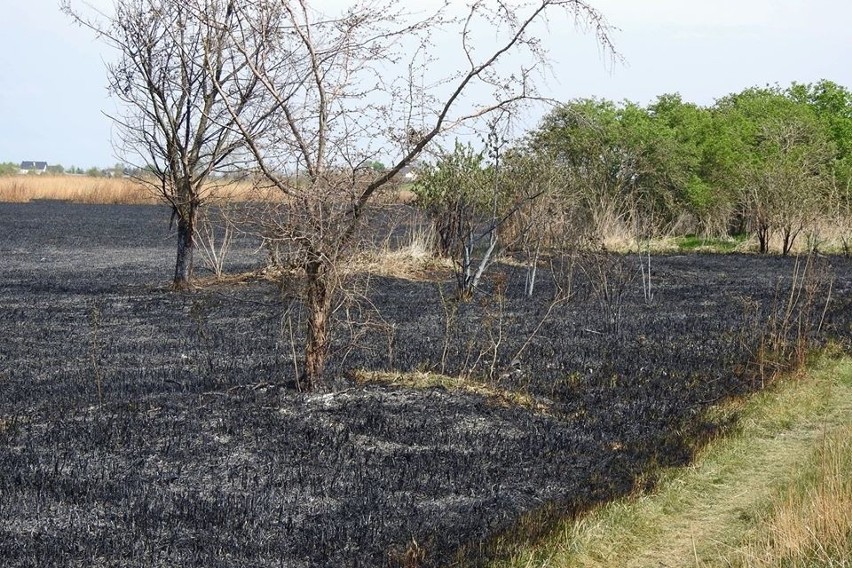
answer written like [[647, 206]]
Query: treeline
[[119, 170], [773, 163]]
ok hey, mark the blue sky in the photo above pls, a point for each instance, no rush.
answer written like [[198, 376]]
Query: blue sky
[[53, 88]]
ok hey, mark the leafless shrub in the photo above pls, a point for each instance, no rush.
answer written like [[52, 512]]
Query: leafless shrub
[[172, 76], [610, 276], [359, 320]]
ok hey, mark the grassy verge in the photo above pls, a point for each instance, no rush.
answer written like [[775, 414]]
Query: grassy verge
[[775, 493]]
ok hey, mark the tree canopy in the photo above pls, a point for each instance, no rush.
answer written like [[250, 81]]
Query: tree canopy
[[768, 161]]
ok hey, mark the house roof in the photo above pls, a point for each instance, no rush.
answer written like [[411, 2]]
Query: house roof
[[33, 165]]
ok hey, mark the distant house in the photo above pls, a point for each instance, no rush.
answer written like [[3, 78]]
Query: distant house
[[33, 167], [409, 173]]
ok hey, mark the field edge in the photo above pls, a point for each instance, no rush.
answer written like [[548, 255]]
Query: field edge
[[720, 509]]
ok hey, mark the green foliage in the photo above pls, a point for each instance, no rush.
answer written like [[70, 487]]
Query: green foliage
[[700, 150], [585, 139], [9, 168], [453, 193], [632, 165], [832, 105], [768, 160], [458, 176], [783, 164]]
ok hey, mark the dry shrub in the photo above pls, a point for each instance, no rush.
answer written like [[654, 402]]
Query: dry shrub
[[786, 338], [411, 256]]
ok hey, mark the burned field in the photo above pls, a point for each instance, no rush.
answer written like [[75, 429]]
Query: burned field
[[141, 427]]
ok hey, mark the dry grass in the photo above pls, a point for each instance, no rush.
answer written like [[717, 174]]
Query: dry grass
[[85, 189], [411, 259], [402, 263], [426, 380], [810, 523], [78, 189]]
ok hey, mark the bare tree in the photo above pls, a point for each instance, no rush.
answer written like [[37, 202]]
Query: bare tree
[[368, 83], [168, 78]]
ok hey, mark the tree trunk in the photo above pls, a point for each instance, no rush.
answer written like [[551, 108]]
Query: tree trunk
[[318, 302], [763, 238], [185, 248], [790, 236], [788, 243]]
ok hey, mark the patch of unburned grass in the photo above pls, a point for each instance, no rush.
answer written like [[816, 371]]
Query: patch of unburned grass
[[694, 243], [413, 258], [402, 264], [810, 521], [775, 492], [425, 380]]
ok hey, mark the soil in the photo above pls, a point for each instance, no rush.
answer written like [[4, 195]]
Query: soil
[[144, 427]]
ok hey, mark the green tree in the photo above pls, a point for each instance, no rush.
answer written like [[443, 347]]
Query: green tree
[[582, 136], [662, 170], [695, 172], [832, 104], [453, 192], [780, 159], [628, 167]]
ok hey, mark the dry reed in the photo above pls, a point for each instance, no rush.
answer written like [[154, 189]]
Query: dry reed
[[85, 189]]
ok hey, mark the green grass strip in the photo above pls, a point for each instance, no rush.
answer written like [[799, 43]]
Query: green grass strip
[[776, 492]]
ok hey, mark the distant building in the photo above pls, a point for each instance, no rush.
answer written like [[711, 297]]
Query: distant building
[[409, 173], [33, 167]]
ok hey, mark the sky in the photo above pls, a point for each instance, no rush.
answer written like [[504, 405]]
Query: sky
[[54, 102]]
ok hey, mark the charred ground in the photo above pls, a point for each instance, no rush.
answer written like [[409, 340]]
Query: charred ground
[[140, 427]]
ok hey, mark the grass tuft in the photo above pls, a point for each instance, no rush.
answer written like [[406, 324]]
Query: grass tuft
[[412, 258], [810, 524], [694, 243]]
